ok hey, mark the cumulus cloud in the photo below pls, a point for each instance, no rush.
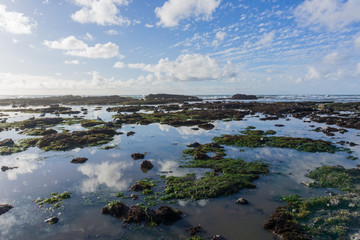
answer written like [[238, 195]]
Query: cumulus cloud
[[101, 12], [173, 11], [332, 14], [15, 22], [357, 42], [188, 67], [220, 35], [75, 47], [119, 65]]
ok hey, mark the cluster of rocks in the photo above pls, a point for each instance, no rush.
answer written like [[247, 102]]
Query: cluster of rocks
[[137, 214]]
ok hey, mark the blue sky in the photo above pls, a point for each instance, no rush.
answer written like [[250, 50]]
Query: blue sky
[[125, 47]]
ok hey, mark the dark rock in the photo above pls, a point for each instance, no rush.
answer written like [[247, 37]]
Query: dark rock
[[269, 118], [52, 220], [244, 97], [151, 216], [137, 156], [171, 97], [279, 125], [351, 144], [7, 142], [134, 196], [5, 208], [206, 126], [5, 168], [201, 156], [147, 165], [194, 230], [136, 214], [195, 129], [194, 145], [139, 187], [242, 201], [168, 215], [281, 224], [130, 133], [79, 160], [117, 209]]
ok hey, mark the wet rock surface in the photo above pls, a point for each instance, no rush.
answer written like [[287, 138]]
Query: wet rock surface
[[6, 168], [5, 208], [147, 165], [7, 142], [137, 214], [282, 225], [79, 160], [52, 220], [137, 156]]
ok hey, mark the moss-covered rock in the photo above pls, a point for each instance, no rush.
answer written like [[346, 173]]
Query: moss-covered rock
[[56, 200]]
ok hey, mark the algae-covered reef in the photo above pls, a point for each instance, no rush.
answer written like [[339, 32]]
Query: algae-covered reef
[[336, 177], [8, 147], [257, 140], [65, 141], [228, 176], [32, 123], [329, 217]]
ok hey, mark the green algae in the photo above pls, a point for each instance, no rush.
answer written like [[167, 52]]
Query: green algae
[[8, 150], [336, 177], [299, 144], [37, 122], [329, 217], [65, 140], [38, 132], [90, 123], [56, 200]]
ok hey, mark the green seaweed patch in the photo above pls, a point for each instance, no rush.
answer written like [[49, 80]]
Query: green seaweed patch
[[330, 217], [299, 144], [230, 176], [56, 199], [38, 132], [336, 177], [33, 123], [148, 192], [91, 123], [108, 147], [65, 140], [8, 150], [200, 151]]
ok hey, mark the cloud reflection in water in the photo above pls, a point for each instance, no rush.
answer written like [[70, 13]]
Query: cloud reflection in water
[[110, 174]]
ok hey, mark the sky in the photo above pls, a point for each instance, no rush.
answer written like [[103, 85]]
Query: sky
[[194, 47]]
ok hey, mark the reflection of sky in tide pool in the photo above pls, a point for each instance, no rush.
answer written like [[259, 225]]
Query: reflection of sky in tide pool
[[109, 171]]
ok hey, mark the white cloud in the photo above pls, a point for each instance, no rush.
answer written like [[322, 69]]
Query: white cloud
[[267, 38], [332, 14], [149, 25], [136, 65], [188, 67], [76, 47], [312, 73], [173, 11], [89, 37], [75, 62], [15, 22], [220, 35], [119, 65], [112, 32], [357, 42], [101, 12]]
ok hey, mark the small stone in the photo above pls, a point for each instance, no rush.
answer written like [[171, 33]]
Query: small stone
[[5, 208], [351, 205], [134, 196], [52, 220], [194, 230], [217, 237], [242, 201], [309, 183], [130, 133], [147, 165], [137, 156], [79, 160]]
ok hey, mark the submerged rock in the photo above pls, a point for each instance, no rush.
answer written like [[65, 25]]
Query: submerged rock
[[136, 214], [244, 97], [206, 126], [137, 156], [242, 201], [194, 230], [52, 220], [130, 133], [5, 168], [116, 209], [7, 142], [79, 160], [168, 215], [281, 224], [194, 145], [147, 165], [5, 208]]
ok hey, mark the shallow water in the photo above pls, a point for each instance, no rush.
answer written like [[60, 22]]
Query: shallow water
[[95, 182]]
